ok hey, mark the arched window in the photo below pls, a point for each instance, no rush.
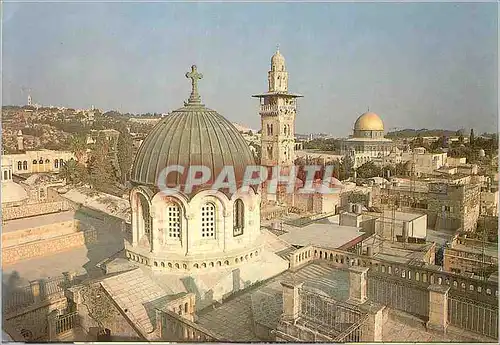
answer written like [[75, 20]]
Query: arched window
[[208, 220], [174, 221], [238, 217], [56, 163], [19, 165], [5, 175], [146, 218], [34, 161], [25, 165], [61, 162]]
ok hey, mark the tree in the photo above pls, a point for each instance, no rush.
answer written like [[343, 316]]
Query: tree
[[100, 166], [369, 169], [472, 138], [78, 145], [346, 167], [73, 172], [125, 153]]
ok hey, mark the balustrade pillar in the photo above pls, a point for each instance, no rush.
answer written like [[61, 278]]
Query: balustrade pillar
[[51, 322], [372, 330], [438, 307], [358, 287], [291, 300], [35, 291]]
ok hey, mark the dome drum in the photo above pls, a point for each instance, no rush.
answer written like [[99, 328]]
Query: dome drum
[[195, 264]]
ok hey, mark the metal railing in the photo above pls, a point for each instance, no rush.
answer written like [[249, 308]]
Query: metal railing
[[66, 322], [355, 333], [327, 312], [473, 316]]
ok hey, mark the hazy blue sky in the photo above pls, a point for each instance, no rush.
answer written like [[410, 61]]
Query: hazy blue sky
[[417, 65]]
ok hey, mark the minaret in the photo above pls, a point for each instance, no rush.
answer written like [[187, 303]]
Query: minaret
[[30, 101], [20, 141], [278, 108]]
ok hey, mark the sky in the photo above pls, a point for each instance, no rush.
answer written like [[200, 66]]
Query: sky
[[417, 65]]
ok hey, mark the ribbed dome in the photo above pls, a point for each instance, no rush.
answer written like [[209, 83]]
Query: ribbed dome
[[192, 135], [369, 122]]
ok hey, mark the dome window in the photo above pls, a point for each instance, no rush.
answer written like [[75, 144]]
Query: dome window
[[174, 221], [208, 220], [238, 217]]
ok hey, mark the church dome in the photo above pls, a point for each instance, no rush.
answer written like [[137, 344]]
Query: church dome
[[189, 136], [369, 122]]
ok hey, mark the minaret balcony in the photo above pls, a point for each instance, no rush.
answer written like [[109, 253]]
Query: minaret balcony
[[269, 109]]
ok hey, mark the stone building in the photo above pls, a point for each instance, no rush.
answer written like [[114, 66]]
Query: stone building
[[202, 232], [471, 257], [40, 161], [450, 204], [367, 142]]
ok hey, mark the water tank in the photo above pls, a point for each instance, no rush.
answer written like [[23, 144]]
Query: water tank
[[482, 153]]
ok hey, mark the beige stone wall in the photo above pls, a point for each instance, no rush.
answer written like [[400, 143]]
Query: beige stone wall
[[25, 251], [9, 213], [32, 321], [16, 238], [104, 312]]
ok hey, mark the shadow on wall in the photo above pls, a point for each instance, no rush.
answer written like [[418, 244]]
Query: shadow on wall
[[106, 242]]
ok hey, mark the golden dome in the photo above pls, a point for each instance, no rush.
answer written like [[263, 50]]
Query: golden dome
[[369, 122]]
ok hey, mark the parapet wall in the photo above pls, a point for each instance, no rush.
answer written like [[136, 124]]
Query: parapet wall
[[30, 250], [30, 210]]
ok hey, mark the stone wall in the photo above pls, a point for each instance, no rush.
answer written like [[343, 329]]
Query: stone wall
[[19, 237], [25, 251], [96, 309], [31, 210], [30, 324]]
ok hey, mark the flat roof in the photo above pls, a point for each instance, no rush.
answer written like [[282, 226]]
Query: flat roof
[[403, 216], [37, 221], [324, 233]]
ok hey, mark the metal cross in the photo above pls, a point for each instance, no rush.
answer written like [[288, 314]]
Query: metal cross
[[194, 76]]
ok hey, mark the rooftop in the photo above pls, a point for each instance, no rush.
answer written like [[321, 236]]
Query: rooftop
[[37, 221], [324, 233]]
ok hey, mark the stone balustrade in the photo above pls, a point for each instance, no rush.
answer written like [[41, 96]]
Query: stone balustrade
[[301, 257], [481, 290]]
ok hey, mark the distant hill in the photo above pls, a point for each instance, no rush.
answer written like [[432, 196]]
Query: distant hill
[[424, 132], [243, 129]]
